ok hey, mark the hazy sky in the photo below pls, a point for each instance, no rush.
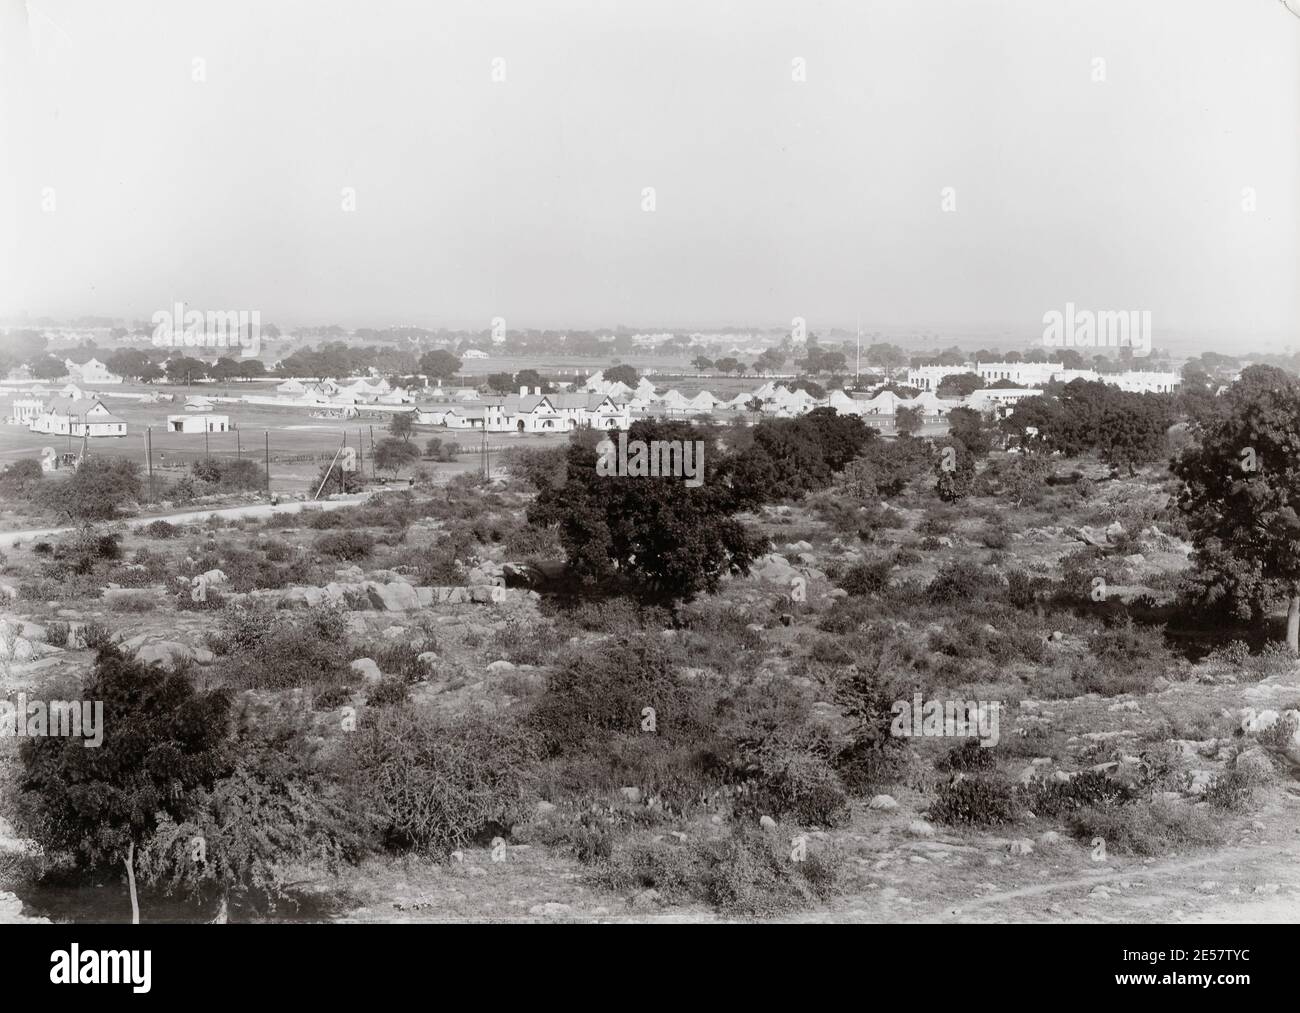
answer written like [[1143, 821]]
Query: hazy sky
[[774, 198]]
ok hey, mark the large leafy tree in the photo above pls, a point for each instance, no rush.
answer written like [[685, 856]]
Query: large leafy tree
[[968, 427], [621, 374], [1241, 494], [393, 454], [954, 471], [1133, 429], [667, 539], [163, 746], [960, 385], [908, 421], [99, 489], [402, 425], [440, 365], [48, 367]]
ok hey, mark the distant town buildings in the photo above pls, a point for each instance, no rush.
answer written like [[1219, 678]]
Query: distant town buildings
[[92, 372], [1039, 374]]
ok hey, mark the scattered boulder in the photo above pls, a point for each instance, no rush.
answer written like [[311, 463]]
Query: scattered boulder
[[368, 670], [168, 652], [920, 828], [396, 596], [11, 911], [487, 594], [767, 823], [486, 572], [1253, 722], [883, 803]]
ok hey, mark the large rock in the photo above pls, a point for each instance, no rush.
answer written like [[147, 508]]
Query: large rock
[[1254, 722], [453, 595], [302, 598], [773, 569], [338, 593], [11, 911], [396, 596], [487, 594], [171, 652], [486, 572], [368, 670]]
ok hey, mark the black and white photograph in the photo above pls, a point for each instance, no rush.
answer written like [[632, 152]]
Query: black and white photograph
[[592, 462]]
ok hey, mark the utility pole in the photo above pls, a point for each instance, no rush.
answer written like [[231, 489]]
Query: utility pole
[[148, 452], [207, 427], [857, 370], [268, 462]]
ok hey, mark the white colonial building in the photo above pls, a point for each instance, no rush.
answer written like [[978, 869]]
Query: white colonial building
[[204, 422], [77, 417]]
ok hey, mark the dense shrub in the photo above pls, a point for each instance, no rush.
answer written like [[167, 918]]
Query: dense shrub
[[961, 581], [749, 873], [975, 801], [870, 576], [434, 785], [345, 545], [968, 757], [1143, 828], [597, 693], [99, 489], [387, 692], [1086, 788], [284, 649]]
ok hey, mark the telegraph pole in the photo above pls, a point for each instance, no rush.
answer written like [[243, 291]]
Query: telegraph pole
[[857, 370], [148, 451], [268, 462]]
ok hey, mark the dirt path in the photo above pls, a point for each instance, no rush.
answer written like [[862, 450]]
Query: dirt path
[[191, 516]]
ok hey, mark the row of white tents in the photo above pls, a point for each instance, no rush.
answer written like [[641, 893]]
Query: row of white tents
[[771, 398]]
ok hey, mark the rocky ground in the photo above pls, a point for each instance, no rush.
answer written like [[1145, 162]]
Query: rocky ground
[[901, 865]]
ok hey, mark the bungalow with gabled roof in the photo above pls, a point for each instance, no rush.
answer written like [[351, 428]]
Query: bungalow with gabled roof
[[85, 416]]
